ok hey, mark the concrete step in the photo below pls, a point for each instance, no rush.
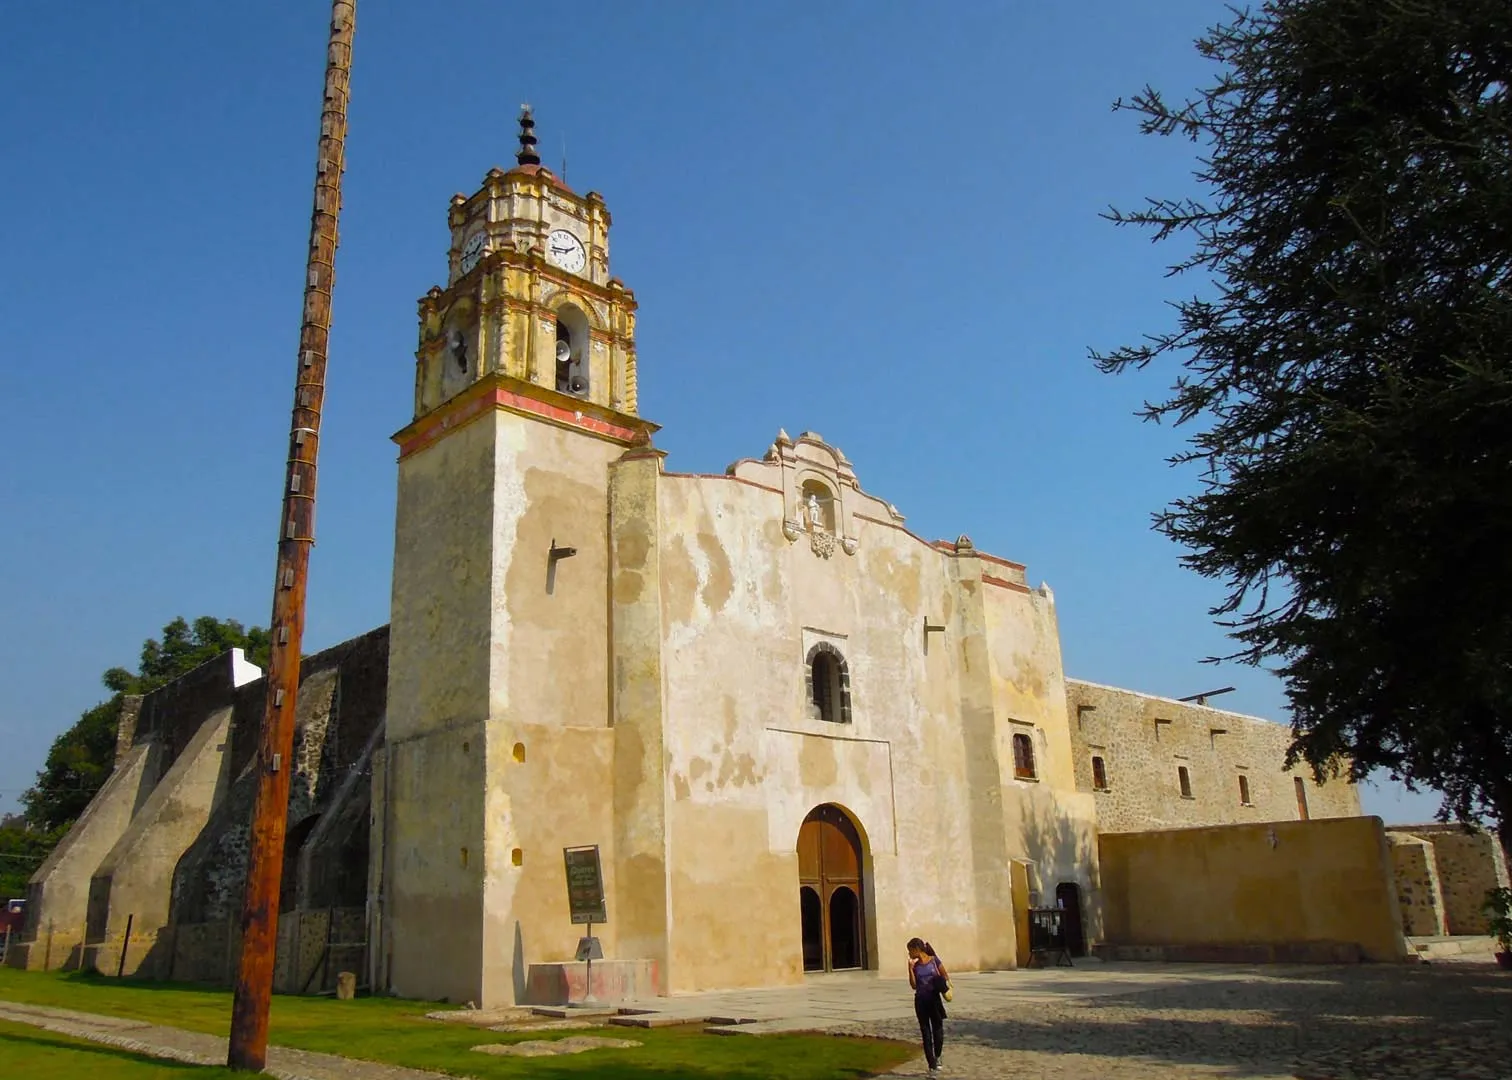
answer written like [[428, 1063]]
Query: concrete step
[[1459, 947]]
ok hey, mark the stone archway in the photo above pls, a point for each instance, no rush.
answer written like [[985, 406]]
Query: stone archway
[[831, 897]]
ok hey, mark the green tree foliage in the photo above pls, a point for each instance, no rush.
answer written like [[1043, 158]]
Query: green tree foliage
[[1350, 368], [81, 759], [21, 852], [185, 647]]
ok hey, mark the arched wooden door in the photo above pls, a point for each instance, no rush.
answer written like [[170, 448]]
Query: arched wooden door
[[830, 896]]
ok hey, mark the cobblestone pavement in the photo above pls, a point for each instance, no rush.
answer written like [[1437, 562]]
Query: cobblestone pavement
[[1124, 1022], [1388, 1022], [175, 1044]]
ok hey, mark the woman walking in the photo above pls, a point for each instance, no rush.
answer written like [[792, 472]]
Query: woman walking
[[926, 974]]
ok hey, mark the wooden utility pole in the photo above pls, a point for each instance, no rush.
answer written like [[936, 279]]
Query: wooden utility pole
[[254, 978]]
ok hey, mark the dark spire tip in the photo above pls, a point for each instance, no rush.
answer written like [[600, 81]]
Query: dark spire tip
[[527, 154]]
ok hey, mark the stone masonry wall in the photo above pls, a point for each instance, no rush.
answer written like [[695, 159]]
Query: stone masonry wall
[[1145, 741], [1469, 864], [341, 703], [1417, 886]]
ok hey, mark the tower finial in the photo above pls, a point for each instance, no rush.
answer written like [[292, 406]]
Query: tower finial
[[527, 154]]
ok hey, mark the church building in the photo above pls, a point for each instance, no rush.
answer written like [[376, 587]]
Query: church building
[[790, 725], [797, 733]]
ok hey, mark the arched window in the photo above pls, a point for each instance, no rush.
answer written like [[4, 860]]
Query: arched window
[[572, 352], [828, 679], [1099, 774], [1185, 779], [1244, 796], [1023, 757]]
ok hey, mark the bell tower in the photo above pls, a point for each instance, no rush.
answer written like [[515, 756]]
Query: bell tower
[[529, 298], [499, 684]]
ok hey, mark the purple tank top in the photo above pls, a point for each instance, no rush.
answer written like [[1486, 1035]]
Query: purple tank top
[[924, 973]]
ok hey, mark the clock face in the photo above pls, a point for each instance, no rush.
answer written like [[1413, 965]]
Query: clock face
[[472, 251], [565, 250]]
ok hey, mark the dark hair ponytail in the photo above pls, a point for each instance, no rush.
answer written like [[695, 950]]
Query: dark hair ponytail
[[923, 946]]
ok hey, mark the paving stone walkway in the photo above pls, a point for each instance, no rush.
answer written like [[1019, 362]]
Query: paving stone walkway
[[840, 1001], [1140, 1021], [1093, 1022], [1356, 1023], [175, 1044]]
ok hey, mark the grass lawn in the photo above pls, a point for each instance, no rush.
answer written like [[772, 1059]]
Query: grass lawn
[[41, 1055], [393, 1031]]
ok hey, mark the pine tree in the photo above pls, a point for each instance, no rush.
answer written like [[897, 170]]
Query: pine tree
[[1351, 376]]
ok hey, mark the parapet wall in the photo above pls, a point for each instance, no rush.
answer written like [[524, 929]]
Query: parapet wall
[[1286, 888]]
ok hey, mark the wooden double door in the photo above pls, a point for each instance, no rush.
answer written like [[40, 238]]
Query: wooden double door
[[830, 893]]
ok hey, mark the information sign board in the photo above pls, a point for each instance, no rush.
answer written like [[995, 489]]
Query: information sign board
[[585, 885]]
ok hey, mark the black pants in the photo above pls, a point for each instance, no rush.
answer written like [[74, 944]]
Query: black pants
[[931, 1026]]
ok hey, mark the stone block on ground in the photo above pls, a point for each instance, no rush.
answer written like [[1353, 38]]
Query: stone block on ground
[[573, 1012], [573, 1044], [480, 1017], [643, 1021]]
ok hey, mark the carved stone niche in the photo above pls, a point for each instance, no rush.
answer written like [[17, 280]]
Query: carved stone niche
[[820, 495], [816, 480]]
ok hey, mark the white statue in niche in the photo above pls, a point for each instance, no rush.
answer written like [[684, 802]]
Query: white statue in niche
[[814, 511], [820, 537]]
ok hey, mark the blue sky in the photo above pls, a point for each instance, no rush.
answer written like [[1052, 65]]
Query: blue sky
[[878, 221]]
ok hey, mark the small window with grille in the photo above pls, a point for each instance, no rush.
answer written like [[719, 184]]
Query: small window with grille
[[1023, 757]]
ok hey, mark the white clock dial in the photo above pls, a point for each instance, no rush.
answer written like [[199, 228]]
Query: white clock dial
[[472, 251], [565, 250]]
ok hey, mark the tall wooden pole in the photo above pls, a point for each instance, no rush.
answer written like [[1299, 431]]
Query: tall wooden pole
[[254, 978]]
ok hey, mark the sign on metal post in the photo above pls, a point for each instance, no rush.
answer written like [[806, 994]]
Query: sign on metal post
[[585, 900], [585, 885]]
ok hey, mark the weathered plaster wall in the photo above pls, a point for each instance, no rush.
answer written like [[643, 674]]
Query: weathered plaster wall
[[1278, 883], [497, 651], [134, 883], [1419, 897], [57, 897], [439, 668], [920, 767], [1144, 740], [640, 782], [1468, 864], [1050, 825], [548, 696], [742, 607], [152, 732]]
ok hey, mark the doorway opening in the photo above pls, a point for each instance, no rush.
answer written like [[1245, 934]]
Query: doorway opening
[[830, 893], [1068, 899]]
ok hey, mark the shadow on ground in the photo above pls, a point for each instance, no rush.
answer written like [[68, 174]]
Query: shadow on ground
[[1273, 1020]]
